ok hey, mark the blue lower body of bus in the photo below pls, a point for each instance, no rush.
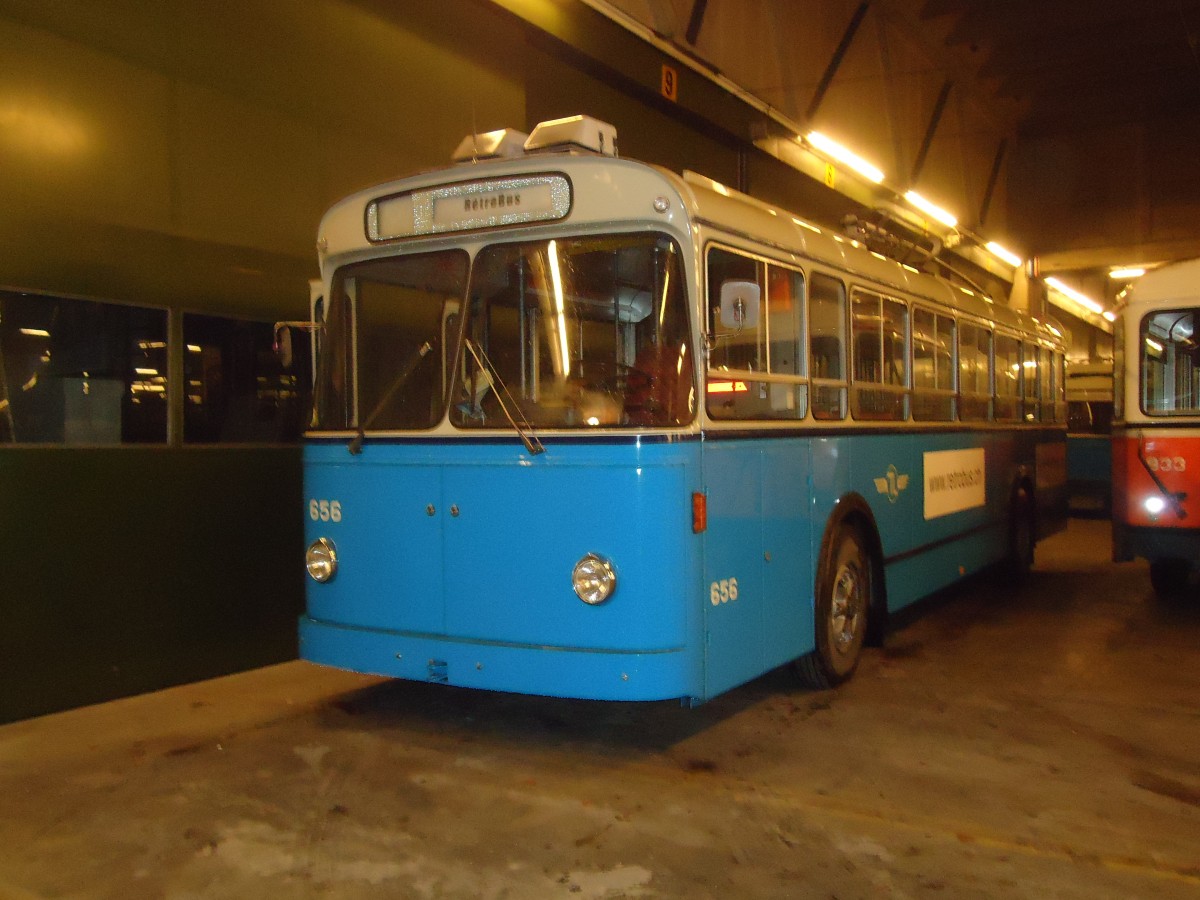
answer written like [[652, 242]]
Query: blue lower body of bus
[[455, 564], [455, 558], [523, 669]]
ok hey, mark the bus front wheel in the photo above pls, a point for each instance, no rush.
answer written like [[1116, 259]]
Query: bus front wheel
[[845, 588]]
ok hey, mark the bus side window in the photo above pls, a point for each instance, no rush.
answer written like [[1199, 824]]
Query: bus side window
[[735, 346], [785, 336], [1046, 384], [880, 328], [827, 346], [1031, 371], [738, 347], [933, 365], [974, 382], [1007, 368], [756, 368], [1060, 387], [1049, 387]]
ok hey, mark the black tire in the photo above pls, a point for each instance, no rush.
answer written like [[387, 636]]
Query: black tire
[[845, 589], [1022, 536], [1170, 577]]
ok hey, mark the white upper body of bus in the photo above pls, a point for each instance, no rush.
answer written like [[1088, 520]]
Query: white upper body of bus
[[602, 191], [560, 204], [1158, 349]]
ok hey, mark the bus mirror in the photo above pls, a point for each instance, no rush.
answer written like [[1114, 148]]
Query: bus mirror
[[283, 344], [739, 304], [283, 338]]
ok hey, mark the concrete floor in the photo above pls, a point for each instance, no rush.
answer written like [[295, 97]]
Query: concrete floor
[[1040, 743]]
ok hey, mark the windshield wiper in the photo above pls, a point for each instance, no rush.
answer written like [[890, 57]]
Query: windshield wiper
[[524, 429], [410, 366]]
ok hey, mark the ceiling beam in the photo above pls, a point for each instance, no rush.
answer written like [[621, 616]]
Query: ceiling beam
[[836, 61], [997, 162], [695, 21], [938, 108], [1146, 252]]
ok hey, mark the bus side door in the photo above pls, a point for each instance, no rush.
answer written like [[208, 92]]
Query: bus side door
[[732, 587], [757, 570]]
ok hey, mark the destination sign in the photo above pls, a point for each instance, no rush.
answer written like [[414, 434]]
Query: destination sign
[[469, 205]]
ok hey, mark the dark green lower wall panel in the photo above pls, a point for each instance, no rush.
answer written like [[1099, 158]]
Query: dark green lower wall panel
[[127, 570]]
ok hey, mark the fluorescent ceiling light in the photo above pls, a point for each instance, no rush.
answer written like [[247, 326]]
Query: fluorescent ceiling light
[[1004, 254], [834, 150], [1127, 273], [931, 209], [1082, 299]]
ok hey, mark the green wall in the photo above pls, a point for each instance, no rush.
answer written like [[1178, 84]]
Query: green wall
[[180, 154], [129, 569]]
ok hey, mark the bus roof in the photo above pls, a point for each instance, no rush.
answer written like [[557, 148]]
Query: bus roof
[[1175, 283], [726, 209]]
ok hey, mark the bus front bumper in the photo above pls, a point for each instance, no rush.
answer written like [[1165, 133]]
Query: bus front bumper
[[582, 673]]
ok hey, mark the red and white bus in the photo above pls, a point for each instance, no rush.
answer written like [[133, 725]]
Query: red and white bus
[[1156, 432]]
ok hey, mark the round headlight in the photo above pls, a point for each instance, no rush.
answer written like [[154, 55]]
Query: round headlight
[[594, 579], [321, 560]]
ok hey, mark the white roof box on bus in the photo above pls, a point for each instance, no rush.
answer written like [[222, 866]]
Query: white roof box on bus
[[502, 144], [575, 131]]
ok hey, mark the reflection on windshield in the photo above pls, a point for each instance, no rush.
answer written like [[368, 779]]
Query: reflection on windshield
[[568, 333], [584, 333], [1171, 362]]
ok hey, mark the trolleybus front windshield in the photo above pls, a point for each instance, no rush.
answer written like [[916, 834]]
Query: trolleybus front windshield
[[577, 333], [1171, 362], [567, 333]]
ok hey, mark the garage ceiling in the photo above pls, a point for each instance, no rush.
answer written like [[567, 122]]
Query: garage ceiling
[[1089, 112], [1074, 65]]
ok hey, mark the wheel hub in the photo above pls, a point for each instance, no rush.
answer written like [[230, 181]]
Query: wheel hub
[[847, 606]]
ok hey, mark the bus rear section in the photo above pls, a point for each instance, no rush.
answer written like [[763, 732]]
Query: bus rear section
[[1089, 436], [1156, 447]]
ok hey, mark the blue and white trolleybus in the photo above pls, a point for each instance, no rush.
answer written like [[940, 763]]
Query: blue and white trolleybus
[[584, 427]]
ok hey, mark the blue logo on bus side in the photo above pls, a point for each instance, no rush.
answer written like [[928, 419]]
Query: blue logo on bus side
[[891, 484]]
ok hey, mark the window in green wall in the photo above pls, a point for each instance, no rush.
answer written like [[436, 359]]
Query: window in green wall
[[81, 372]]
